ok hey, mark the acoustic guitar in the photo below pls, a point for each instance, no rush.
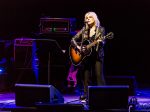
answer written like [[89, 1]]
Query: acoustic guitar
[[77, 56]]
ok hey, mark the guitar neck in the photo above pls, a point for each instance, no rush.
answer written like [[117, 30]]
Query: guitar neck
[[109, 36], [92, 44]]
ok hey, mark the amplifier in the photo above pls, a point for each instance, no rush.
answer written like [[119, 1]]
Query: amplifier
[[23, 41], [57, 25], [23, 52]]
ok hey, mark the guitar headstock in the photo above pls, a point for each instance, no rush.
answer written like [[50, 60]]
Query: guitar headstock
[[110, 35]]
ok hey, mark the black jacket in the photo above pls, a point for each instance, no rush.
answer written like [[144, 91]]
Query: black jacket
[[83, 35]]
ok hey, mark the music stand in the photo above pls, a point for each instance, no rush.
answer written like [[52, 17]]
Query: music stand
[[50, 54]]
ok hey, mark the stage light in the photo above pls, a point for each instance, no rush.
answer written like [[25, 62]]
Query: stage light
[[2, 70]]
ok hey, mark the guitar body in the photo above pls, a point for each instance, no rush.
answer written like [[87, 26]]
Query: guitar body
[[77, 56]]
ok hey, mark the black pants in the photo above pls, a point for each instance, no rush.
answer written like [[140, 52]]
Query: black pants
[[92, 73]]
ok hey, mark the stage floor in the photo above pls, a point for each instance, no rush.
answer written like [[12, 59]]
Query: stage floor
[[7, 102]]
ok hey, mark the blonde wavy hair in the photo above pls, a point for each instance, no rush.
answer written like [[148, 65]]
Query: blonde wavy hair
[[94, 15]]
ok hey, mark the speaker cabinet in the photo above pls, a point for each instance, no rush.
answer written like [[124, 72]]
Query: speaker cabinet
[[23, 52], [108, 97], [32, 94], [3, 82]]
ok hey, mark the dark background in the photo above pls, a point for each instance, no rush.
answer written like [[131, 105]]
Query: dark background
[[126, 54]]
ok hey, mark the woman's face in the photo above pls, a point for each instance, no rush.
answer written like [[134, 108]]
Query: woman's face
[[89, 20]]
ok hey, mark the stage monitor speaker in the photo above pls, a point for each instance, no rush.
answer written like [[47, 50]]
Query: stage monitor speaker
[[33, 94], [108, 97]]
